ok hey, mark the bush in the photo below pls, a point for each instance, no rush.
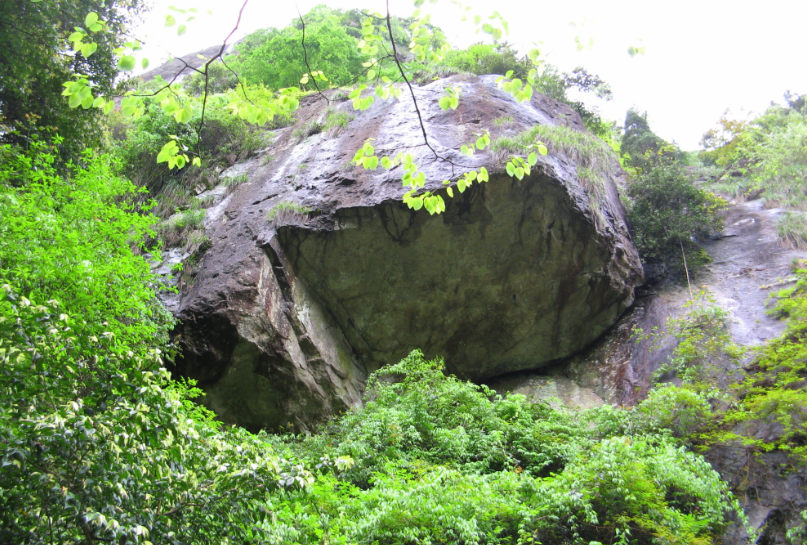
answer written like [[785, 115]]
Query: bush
[[439, 460], [70, 238], [484, 59], [773, 392], [668, 214], [96, 443]]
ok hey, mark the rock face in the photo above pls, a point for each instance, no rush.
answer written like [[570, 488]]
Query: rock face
[[318, 274]]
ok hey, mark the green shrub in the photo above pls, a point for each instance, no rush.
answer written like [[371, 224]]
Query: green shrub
[[484, 58], [773, 392], [176, 230], [71, 237], [96, 443], [792, 229], [439, 460], [765, 157], [101, 448], [685, 412], [704, 349], [668, 214]]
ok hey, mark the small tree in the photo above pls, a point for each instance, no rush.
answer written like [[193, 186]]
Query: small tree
[[668, 214]]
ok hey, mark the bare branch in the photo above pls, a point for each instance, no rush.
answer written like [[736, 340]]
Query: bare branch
[[408, 84], [213, 58], [305, 59]]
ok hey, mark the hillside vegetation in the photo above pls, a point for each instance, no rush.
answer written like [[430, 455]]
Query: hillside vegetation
[[99, 444]]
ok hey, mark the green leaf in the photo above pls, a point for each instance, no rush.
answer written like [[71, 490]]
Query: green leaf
[[429, 205], [482, 176], [181, 30], [74, 101], [386, 162], [88, 48], [532, 158], [183, 115], [371, 74], [91, 19], [144, 63], [126, 63], [168, 151], [450, 192], [511, 170], [483, 141], [170, 20], [370, 163]]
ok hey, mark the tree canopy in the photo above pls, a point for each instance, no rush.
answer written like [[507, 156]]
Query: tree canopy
[[36, 59]]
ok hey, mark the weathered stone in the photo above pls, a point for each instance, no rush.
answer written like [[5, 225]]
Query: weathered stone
[[286, 316]]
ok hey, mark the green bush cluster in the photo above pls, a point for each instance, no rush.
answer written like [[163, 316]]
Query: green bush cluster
[[97, 444], [71, 238], [668, 214], [774, 391], [438, 460], [719, 402]]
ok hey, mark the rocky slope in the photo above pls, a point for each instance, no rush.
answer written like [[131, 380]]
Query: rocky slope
[[317, 274], [748, 265]]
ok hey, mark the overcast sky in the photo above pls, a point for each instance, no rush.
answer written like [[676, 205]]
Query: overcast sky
[[701, 57]]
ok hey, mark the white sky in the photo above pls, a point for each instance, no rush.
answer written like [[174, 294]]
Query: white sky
[[702, 57]]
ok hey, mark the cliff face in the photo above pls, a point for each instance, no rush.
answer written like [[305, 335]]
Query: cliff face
[[317, 274]]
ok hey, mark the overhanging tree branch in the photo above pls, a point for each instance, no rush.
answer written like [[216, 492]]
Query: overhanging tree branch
[[408, 84]]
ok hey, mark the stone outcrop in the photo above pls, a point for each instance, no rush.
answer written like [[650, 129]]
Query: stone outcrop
[[317, 274]]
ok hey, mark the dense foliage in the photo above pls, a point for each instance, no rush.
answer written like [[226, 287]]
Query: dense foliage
[[438, 460], [641, 148], [326, 44], [668, 215], [71, 238], [774, 391]]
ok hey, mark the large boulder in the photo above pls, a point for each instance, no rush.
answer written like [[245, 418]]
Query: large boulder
[[317, 273]]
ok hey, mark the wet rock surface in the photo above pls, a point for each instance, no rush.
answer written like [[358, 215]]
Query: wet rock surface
[[317, 274], [748, 265]]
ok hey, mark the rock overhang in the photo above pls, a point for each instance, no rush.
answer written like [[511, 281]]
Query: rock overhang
[[513, 275]]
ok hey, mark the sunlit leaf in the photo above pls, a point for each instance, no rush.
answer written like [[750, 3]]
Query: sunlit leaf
[[91, 19], [126, 63]]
